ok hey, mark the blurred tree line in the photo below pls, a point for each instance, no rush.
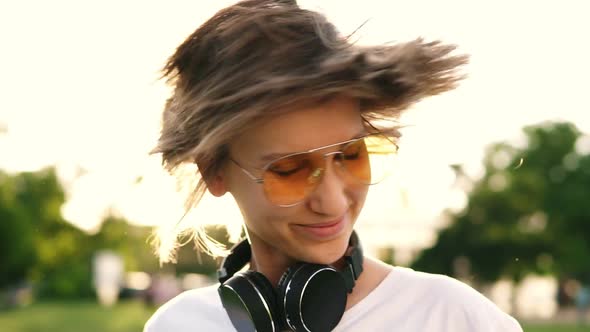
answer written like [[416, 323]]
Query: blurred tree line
[[528, 213], [38, 247]]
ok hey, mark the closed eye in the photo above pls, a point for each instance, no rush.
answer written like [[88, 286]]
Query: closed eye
[[288, 167], [285, 173], [351, 156]]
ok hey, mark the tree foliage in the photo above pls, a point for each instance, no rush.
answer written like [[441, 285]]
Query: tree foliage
[[530, 212], [16, 257], [38, 246]]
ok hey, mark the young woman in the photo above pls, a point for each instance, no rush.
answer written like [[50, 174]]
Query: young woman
[[295, 122]]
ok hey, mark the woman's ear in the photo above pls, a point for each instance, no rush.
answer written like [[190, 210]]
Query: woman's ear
[[215, 182]]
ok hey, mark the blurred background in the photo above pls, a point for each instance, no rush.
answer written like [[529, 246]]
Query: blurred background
[[492, 184]]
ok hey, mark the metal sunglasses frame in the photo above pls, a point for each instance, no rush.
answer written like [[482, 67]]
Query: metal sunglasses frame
[[265, 168]]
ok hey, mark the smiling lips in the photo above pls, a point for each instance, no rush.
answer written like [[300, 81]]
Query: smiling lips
[[323, 230]]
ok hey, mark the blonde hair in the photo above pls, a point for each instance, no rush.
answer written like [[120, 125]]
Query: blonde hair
[[254, 57]]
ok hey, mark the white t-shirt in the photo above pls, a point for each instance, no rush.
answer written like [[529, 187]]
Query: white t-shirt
[[406, 300]]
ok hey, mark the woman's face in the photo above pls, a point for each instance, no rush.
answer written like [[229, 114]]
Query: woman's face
[[318, 229]]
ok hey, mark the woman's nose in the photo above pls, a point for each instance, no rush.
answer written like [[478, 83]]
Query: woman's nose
[[329, 197]]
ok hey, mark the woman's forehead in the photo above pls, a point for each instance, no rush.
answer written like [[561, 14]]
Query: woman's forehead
[[304, 128]]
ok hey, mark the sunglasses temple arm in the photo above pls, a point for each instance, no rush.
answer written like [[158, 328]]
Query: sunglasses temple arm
[[251, 176]]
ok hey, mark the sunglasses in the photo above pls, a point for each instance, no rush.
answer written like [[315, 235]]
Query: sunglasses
[[289, 180]]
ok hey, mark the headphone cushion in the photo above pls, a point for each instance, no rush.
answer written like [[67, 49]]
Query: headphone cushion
[[311, 297], [266, 289], [248, 301], [284, 283], [282, 289]]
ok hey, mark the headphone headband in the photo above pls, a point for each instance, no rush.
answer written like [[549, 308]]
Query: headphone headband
[[354, 262], [238, 257]]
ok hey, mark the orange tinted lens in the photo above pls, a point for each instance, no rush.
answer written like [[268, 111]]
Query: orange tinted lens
[[288, 180], [355, 159]]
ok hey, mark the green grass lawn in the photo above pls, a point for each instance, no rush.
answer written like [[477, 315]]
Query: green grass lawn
[[85, 316], [555, 328], [88, 316]]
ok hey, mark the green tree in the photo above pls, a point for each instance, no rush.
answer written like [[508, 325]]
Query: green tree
[[131, 242], [528, 213], [37, 244], [62, 268], [17, 253]]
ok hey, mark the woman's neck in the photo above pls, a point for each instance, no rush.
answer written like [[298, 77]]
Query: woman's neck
[[272, 266], [374, 272]]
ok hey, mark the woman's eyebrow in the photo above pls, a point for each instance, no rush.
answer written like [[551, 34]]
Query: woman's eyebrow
[[272, 156]]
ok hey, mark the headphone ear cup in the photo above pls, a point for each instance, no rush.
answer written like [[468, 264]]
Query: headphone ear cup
[[250, 299], [284, 283], [311, 297], [266, 290], [282, 287], [282, 290]]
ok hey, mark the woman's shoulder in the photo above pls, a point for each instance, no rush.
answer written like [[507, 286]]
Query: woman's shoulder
[[438, 284], [435, 289], [419, 301], [197, 307], [452, 297]]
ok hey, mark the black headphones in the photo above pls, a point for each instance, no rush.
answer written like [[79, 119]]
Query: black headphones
[[309, 297]]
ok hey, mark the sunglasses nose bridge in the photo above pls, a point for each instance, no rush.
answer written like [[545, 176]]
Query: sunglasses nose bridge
[[320, 166], [326, 157]]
